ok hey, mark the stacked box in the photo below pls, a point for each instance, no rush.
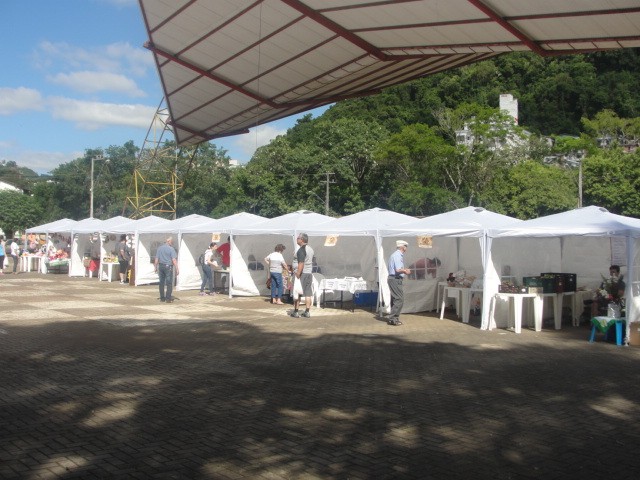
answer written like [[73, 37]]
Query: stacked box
[[570, 282], [552, 283], [558, 282], [532, 281]]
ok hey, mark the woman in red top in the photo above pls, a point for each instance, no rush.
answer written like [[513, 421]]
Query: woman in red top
[[224, 251]]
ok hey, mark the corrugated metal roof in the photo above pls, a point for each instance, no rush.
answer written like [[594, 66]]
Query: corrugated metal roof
[[228, 65]]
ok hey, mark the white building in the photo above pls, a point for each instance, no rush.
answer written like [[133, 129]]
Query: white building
[[8, 186]]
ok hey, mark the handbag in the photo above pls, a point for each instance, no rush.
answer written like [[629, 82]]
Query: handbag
[[269, 282]]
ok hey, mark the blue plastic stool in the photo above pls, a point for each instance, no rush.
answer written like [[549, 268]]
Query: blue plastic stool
[[620, 323]]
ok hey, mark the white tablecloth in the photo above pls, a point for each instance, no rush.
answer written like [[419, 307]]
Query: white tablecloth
[[346, 284]]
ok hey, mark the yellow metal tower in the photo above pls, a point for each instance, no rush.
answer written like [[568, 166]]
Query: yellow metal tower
[[155, 184]]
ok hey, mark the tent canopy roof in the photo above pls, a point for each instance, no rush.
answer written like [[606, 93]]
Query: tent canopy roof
[[367, 222], [225, 224], [463, 222], [586, 221], [288, 224], [228, 65], [62, 225]]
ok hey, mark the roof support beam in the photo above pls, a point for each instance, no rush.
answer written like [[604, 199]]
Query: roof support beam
[[337, 29], [209, 75], [534, 47]]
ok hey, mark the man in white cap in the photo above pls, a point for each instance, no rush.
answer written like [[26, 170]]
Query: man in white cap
[[396, 274]]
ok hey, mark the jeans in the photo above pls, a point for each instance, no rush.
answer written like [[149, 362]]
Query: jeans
[[207, 278], [277, 285], [165, 276], [15, 263]]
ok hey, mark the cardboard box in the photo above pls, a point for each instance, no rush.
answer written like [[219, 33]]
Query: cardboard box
[[634, 334]]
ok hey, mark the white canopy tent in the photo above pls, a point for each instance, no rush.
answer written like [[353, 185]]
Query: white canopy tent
[[249, 247], [357, 250], [79, 242], [194, 239], [65, 224], [584, 241], [456, 238], [150, 236], [132, 229]]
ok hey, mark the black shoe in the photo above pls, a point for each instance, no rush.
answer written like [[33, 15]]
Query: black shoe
[[169, 300], [161, 299], [395, 323]]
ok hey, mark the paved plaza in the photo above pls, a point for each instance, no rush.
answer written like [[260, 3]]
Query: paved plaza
[[102, 381]]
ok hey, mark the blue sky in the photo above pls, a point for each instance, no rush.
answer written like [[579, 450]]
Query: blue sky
[[75, 76]]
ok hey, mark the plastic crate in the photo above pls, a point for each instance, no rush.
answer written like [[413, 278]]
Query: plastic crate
[[532, 281], [558, 282], [365, 299]]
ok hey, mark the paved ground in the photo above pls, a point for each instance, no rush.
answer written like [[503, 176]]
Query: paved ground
[[100, 380]]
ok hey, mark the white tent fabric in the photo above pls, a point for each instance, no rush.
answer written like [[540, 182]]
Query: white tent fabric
[[62, 226], [583, 241], [65, 224], [80, 242], [249, 247], [458, 240], [143, 268], [358, 249], [194, 239]]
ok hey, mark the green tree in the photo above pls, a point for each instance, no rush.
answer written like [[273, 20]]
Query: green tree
[[530, 189], [612, 180], [18, 212], [486, 140], [204, 181]]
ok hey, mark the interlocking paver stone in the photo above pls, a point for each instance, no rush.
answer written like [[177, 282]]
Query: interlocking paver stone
[[102, 381]]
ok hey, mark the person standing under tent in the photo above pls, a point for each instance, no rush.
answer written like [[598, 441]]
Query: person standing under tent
[[2, 255], [165, 263], [224, 251], [276, 264], [396, 274], [208, 264], [124, 257], [304, 273], [15, 255]]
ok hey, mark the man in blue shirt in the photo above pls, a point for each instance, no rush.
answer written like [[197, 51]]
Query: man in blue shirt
[[166, 261], [396, 274]]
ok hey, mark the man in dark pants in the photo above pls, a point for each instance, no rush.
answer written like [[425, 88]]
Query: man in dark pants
[[166, 261], [396, 274]]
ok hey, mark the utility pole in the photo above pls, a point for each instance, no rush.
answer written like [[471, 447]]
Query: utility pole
[[93, 159], [580, 184], [326, 195]]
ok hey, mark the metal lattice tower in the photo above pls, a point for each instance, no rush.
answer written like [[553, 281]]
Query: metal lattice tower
[[155, 185]]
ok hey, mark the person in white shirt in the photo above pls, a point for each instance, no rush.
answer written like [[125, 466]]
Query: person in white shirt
[[208, 264], [15, 254], [276, 264]]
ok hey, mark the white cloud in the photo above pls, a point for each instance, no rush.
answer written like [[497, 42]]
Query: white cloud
[[257, 137], [96, 115], [44, 162], [92, 82], [120, 57], [13, 100]]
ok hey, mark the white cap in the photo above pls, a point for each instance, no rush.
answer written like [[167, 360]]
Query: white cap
[[401, 243]]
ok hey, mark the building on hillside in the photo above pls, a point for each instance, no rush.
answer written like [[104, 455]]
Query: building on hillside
[[509, 105], [8, 186]]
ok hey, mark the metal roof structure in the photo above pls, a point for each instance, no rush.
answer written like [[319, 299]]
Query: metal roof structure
[[228, 65]]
